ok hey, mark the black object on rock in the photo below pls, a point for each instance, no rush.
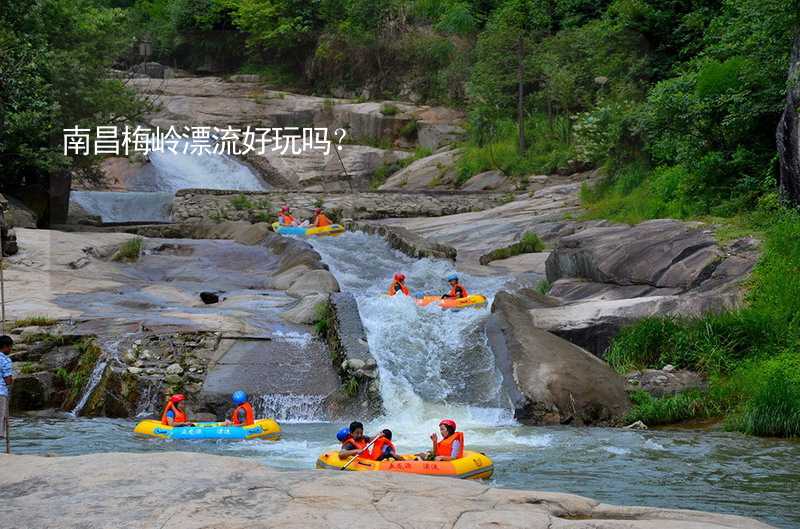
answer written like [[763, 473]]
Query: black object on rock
[[209, 298]]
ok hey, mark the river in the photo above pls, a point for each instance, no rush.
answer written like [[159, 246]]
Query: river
[[436, 364]]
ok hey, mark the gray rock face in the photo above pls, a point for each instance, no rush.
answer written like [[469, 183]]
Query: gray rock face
[[435, 135], [664, 382], [425, 173], [407, 241], [305, 311], [788, 133], [659, 253], [314, 282], [235, 493], [488, 180], [555, 381], [607, 276]]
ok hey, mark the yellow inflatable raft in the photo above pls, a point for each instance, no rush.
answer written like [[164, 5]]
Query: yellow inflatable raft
[[262, 429], [306, 231], [474, 465], [471, 301]]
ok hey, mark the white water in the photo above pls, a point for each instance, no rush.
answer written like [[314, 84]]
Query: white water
[[432, 363], [174, 172], [157, 183], [115, 206], [290, 408]]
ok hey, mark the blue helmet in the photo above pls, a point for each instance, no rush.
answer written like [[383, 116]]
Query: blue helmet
[[452, 277], [343, 434], [239, 397]]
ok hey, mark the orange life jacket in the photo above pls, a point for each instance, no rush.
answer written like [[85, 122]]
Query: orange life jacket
[[321, 220], [377, 448], [249, 416], [395, 286], [360, 444], [179, 415], [286, 219], [454, 291], [445, 446]]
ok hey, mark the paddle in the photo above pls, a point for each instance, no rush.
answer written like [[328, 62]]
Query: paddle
[[360, 452]]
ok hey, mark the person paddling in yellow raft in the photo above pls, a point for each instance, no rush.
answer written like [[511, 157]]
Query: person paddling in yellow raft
[[320, 219], [450, 447], [457, 291], [398, 285], [243, 414]]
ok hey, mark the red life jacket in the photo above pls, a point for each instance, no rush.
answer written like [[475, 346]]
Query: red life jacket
[[377, 448], [286, 219], [395, 286], [445, 446], [454, 292], [179, 415], [249, 416]]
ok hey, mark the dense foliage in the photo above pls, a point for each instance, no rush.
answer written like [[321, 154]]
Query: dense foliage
[[54, 59]]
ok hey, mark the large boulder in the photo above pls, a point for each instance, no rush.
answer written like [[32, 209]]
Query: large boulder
[[196, 490], [550, 380], [788, 133], [661, 253], [431, 171], [32, 391], [372, 121], [314, 282]]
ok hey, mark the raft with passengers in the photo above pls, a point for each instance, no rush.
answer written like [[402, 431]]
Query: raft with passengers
[[320, 225], [448, 456], [457, 298]]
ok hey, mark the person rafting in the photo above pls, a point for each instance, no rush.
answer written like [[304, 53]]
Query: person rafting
[[174, 413], [355, 441], [243, 414], [320, 219], [383, 447], [457, 291], [450, 447], [285, 218], [398, 285]]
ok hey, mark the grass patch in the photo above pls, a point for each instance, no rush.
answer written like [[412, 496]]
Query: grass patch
[[409, 130], [530, 243], [27, 368], [323, 316], [350, 387], [129, 251], [543, 287], [36, 321], [48, 340], [676, 408], [241, 203], [389, 109]]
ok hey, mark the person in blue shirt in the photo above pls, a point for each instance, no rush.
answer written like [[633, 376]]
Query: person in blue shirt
[[6, 378]]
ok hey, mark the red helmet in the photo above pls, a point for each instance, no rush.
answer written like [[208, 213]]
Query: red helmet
[[448, 422], [318, 210], [285, 208], [177, 398], [399, 277]]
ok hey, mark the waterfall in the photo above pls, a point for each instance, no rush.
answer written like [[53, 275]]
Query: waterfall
[[154, 187], [290, 408], [91, 385]]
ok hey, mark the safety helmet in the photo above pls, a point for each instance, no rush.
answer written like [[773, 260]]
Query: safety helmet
[[448, 422], [317, 210], [177, 398], [399, 277], [452, 277], [239, 397], [285, 208], [343, 434]]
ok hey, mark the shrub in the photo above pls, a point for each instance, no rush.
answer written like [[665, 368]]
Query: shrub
[[241, 202], [129, 251], [389, 109], [543, 287], [529, 243], [680, 407]]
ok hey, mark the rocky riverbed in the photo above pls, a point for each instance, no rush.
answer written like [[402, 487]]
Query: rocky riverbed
[[154, 490]]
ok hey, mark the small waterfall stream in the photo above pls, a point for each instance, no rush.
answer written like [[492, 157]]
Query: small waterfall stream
[[91, 385]]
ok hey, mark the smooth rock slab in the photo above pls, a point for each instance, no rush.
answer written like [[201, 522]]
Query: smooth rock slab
[[178, 490]]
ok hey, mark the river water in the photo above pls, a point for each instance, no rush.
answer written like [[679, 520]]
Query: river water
[[436, 364]]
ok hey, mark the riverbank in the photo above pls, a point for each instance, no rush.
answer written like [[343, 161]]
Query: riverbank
[[234, 493]]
